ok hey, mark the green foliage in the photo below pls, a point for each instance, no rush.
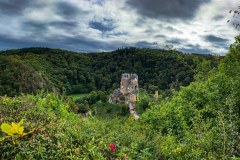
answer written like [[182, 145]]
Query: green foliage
[[143, 102], [201, 121], [31, 70], [61, 134], [86, 102], [110, 110]]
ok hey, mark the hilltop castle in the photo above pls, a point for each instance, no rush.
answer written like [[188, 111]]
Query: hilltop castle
[[127, 93]]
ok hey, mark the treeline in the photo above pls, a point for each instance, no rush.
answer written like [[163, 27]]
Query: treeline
[[30, 70]]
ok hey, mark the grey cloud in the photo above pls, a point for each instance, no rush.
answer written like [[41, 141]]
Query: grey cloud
[[34, 27], [193, 32], [218, 17], [13, 7], [173, 29], [77, 43], [149, 31], [68, 10], [16, 7], [144, 44], [99, 2], [173, 9], [175, 41], [215, 39], [140, 21], [114, 34], [159, 36], [83, 43], [195, 49], [8, 42], [169, 28], [40, 28], [104, 26], [64, 24], [79, 40]]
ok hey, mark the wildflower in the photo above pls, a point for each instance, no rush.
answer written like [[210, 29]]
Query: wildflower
[[112, 147]]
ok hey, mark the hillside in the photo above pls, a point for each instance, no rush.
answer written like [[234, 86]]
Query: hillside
[[30, 70], [200, 121]]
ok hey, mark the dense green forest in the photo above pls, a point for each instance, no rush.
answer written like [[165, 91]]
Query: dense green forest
[[33, 69], [199, 120]]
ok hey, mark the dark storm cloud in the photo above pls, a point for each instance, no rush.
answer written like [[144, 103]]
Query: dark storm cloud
[[173, 9], [215, 39], [13, 7]]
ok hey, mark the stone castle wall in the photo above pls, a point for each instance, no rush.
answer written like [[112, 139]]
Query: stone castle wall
[[129, 90]]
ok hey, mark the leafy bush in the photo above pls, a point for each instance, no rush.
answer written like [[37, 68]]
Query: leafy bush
[[201, 121], [61, 134]]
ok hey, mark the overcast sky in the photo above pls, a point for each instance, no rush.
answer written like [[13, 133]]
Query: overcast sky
[[198, 26]]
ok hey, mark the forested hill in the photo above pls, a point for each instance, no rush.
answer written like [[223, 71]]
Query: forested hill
[[30, 70]]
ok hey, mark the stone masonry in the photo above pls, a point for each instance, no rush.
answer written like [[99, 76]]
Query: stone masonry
[[127, 93]]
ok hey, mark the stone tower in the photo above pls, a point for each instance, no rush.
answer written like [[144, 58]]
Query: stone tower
[[129, 90], [133, 84], [129, 86], [124, 83]]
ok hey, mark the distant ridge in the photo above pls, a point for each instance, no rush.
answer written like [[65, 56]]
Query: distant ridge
[[72, 72]]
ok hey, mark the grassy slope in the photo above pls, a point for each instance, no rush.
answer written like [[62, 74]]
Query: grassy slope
[[78, 96]]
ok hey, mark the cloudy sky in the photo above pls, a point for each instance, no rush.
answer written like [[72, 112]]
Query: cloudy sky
[[198, 26]]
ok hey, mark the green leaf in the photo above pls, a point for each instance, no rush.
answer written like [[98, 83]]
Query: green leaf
[[19, 157], [2, 138]]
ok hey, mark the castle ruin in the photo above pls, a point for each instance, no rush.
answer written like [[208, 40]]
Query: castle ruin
[[127, 93]]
